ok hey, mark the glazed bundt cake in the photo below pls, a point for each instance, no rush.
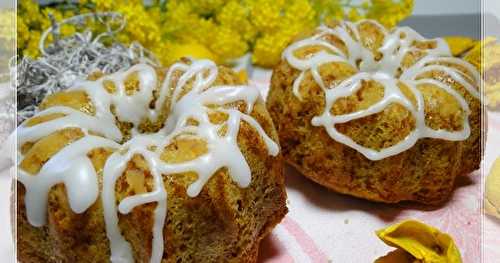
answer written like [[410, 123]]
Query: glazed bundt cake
[[385, 115], [149, 166]]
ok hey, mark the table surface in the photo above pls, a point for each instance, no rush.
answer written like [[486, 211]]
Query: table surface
[[323, 226]]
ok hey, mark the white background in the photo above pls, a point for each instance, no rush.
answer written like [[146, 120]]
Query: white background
[[437, 7]]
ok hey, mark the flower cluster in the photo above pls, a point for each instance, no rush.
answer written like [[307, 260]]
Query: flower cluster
[[488, 52], [222, 30], [387, 12], [32, 20], [7, 42], [485, 56]]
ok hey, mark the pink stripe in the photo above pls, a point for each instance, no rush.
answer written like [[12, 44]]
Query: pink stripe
[[304, 240], [272, 251]]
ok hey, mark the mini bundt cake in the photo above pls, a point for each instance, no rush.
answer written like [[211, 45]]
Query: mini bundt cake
[[380, 114], [149, 166]]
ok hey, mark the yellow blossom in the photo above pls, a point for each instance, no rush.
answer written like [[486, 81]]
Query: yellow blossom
[[492, 190], [226, 29], [267, 50], [328, 9], [397, 10], [32, 46], [29, 28], [22, 33], [31, 12], [236, 16], [298, 16], [205, 7], [486, 56], [7, 23], [178, 18], [203, 32], [104, 5], [7, 36], [67, 30], [46, 23], [139, 27], [227, 44], [354, 15], [266, 14]]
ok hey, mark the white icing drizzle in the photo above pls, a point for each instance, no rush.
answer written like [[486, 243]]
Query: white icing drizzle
[[70, 166], [73, 168], [396, 45]]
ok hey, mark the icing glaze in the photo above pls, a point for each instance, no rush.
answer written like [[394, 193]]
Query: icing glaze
[[396, 45], [73, 168]]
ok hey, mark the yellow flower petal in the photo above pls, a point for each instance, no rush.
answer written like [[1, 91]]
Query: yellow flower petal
[[492, 191], [488, 52], [421, 241], [491, 49], [242, 76], [396, 256], [193, 50], [474, 55], [354, 15], [458, 45]]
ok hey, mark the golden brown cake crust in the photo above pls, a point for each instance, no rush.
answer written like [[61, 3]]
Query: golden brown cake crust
[[425, 173], [224, 223]]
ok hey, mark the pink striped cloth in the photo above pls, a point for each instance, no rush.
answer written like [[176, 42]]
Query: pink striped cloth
[[323, 226]]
